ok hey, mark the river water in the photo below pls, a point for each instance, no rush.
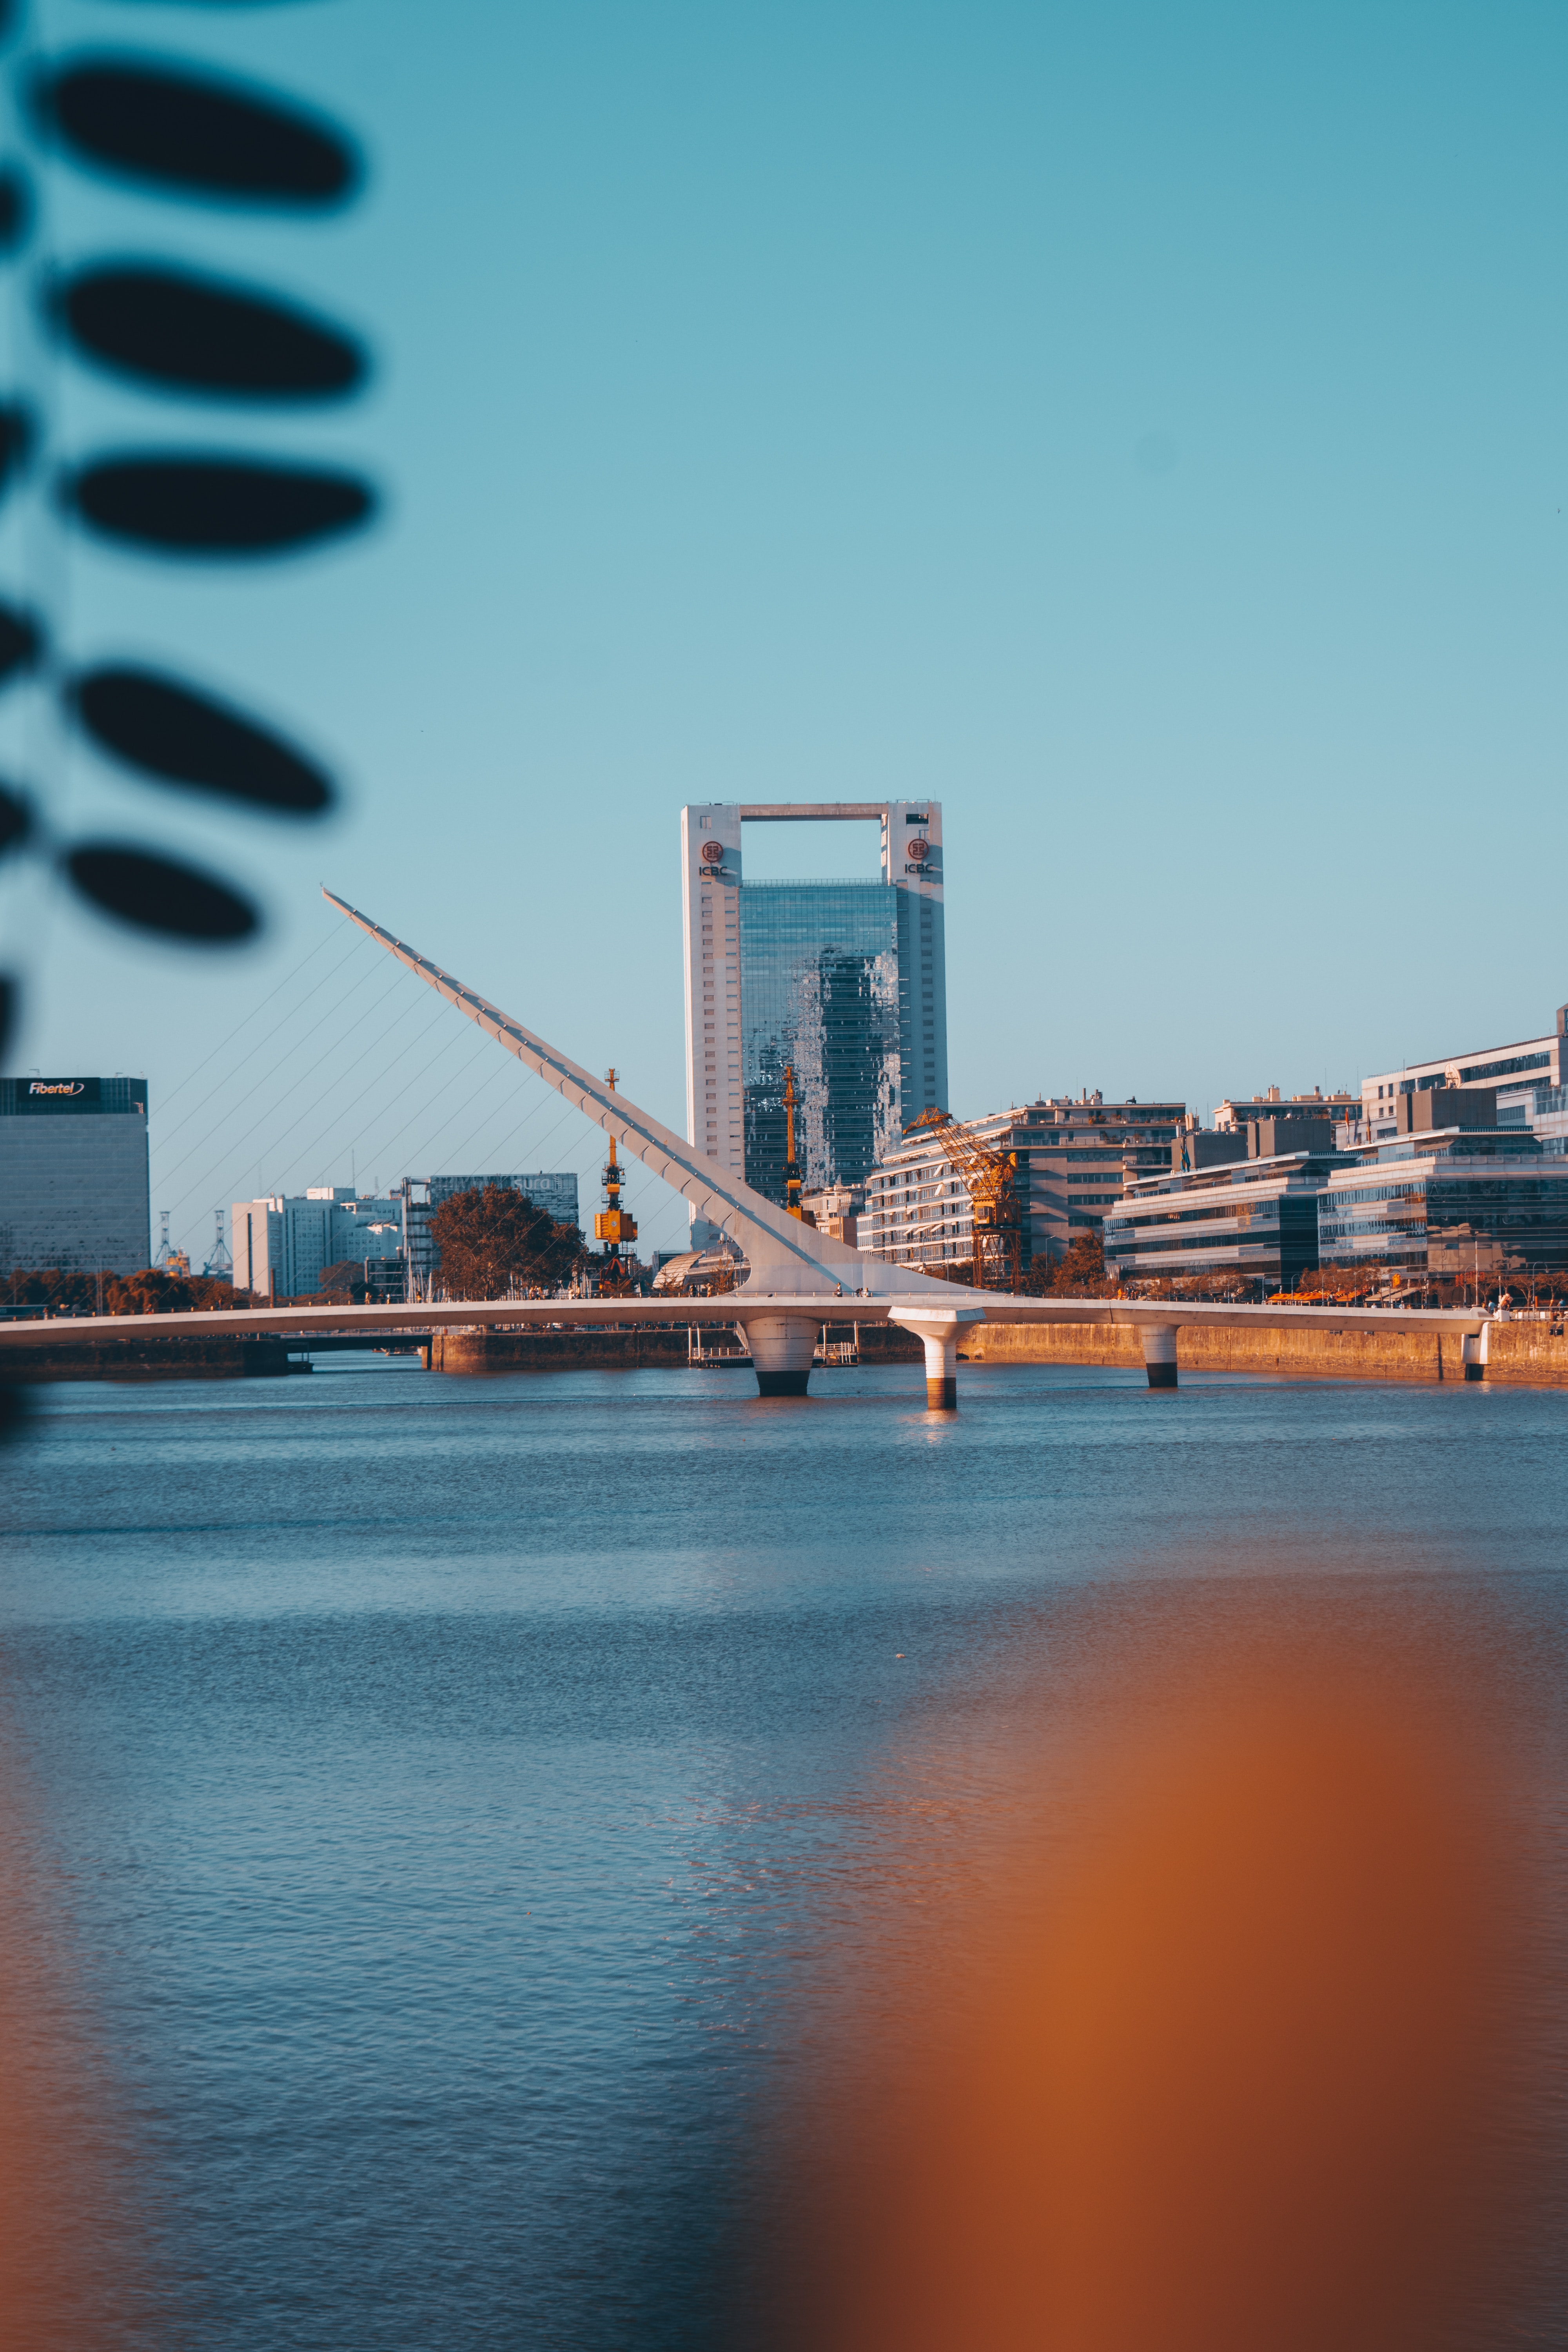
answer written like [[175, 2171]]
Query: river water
[[443, 1800]]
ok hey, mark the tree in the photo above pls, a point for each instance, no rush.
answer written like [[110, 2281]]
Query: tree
[[1079, 1275], [492, 1237], [153, 1292], [345, 1279]]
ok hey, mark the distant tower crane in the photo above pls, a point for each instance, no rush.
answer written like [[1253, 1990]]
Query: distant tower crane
[[791, 1167], [612, 1224], [989, 1177]]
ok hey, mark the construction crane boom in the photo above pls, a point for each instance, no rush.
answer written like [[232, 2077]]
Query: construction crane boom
[[990, 1178]]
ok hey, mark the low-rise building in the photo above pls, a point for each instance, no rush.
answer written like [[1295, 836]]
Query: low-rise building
[[1240, 1111], [1450, 1202], [1255, 1219], [836, 1211], [73, 1174], [1071, 1161], [281, 1243], [1518, 1071]]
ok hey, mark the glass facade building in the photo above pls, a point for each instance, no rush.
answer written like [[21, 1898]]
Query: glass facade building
[[1450, 1204], [819, 992], [844, 982]]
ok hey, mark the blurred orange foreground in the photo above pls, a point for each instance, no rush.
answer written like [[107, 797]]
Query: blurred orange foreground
[[1228, 2088]]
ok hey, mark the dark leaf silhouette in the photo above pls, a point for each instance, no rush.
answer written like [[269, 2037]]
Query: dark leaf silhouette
[[172, 732], [18, 435], [21, 641], [15, 209], [13, 1408], [157, 895], [215, 506], [204, 335], [15, 819], [194, 133]]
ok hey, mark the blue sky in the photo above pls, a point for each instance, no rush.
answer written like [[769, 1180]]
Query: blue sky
[[1141, 427]]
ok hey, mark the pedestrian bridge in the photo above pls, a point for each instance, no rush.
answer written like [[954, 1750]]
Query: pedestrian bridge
[[781, 1327], [797, 1278]]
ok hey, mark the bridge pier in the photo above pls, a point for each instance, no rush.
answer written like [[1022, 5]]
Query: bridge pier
[[938, 1335], [941, 1370], [782, 1348], [1160, 1354]]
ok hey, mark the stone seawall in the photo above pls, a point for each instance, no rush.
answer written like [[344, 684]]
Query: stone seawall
[[152, 1359], [1515, 1353], [658, 1346]]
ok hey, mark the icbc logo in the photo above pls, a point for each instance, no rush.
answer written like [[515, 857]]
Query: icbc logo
[[918, 850], [712, 853]]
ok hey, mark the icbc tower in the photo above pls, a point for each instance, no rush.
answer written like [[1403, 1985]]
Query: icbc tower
[[842, 982]]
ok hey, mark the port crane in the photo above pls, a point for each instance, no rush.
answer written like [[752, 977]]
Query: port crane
[[792, 1166], [990, 1178], [612, 1224]]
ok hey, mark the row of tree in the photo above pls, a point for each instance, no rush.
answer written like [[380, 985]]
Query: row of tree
[[492, 1239], [64, 1290]]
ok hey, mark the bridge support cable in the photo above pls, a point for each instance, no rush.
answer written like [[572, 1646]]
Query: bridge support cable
[[339, 1040]]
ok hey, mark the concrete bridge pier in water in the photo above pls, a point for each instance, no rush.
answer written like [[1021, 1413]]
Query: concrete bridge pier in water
[[1160, 1354], [782, 1348]]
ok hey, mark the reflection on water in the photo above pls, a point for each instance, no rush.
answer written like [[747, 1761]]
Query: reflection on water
[[462, 1818]]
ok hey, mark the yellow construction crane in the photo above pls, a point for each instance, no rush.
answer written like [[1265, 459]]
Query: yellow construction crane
[[989, 1177], [613, 1225], [792, 1169]]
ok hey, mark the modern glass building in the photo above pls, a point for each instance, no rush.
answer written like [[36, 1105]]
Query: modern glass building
[[819, 989], [1450, 1204], [73, 1174], [842, 982]]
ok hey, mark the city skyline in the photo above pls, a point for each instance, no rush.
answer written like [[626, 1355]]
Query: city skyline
[[1183, 517]]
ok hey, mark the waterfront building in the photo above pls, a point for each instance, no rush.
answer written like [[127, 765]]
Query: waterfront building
[[844, 982], [73, 1174], [836, 1209], [1240, 1111], [1520, 1072], [1255, 1219], [281, 1243], [554, 1191], [1072, 1160], [1443, 1201]]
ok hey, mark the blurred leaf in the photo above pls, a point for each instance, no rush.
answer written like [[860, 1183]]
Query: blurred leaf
[[157, 895], [202, 334], [15, 209], [18, 438], [21, 641], [215, 506], [15, 819], [194, 133], [171, 732]]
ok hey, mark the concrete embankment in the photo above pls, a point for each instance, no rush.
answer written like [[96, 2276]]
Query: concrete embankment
[[653, 1347], [1515, 1353], [153, 1359]]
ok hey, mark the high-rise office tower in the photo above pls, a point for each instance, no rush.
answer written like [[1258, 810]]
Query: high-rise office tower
[[73, 1174], [843, 982]]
